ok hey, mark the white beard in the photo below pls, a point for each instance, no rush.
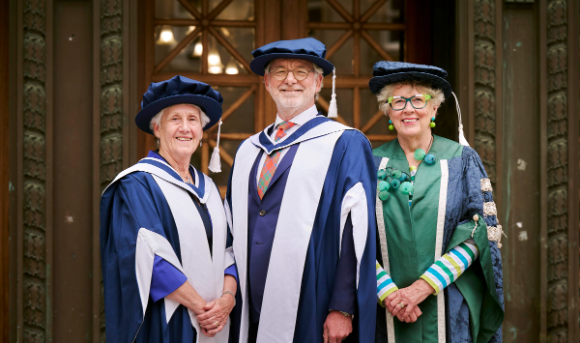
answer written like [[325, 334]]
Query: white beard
[[294, 100]]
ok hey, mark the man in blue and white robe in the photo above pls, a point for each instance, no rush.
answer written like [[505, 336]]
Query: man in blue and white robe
[[304, 246]]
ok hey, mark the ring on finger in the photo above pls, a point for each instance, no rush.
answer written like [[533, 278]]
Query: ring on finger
[[402, 305], [217, 324]]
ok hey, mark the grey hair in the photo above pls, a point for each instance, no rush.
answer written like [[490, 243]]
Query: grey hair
[[317, 71], [156, 120], [383, 97]]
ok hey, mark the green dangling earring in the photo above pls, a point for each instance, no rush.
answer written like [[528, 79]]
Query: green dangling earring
[[391, 126], [432, 123]]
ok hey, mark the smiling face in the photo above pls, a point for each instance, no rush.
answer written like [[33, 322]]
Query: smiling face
[[410, 122], [179, 131], [291, 93]]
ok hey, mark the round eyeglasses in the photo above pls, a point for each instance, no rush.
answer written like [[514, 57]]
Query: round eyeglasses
[[300, 74], [418, 101]]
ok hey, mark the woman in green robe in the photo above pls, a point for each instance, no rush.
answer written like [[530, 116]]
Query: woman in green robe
[[439, 273]]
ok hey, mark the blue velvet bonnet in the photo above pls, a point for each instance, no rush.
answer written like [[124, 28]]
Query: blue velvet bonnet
[[179, 90], [387, 72], [309, 49]]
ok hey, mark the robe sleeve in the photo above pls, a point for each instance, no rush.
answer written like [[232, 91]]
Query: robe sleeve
[[356, 222], [231, 270], [132, 234], [481, 285], [165, 280], [385, 284], [344, 291], [479, 195], [230, 259], [450, 266]]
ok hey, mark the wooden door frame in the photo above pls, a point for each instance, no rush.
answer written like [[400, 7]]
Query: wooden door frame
[[4, 169]]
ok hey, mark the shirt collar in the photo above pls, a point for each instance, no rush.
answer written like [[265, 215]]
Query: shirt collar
[[300, 119]]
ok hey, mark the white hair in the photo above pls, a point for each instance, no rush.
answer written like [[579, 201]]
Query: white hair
[[317, 71], [383, 97], [156, 120]]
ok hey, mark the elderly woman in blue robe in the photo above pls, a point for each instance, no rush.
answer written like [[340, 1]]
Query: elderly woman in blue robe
[[167, 274], [439, 271]]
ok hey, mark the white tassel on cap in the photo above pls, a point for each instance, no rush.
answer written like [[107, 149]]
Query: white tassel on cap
[[462, 139], [332, 110], [215, 163]]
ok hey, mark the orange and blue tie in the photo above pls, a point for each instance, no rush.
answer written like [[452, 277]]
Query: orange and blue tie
[[271, 162]]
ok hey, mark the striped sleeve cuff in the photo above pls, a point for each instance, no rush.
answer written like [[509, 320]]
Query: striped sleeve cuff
[[451, 265], [385, 285]]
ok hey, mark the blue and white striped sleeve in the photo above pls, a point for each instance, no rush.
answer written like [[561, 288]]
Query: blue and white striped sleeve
[[451, 265], [385, 284]]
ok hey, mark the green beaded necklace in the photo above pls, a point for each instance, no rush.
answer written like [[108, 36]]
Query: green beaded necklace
[[390, 178]]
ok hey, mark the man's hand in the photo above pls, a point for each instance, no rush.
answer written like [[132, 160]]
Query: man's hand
[[337, 327], [409, 298]]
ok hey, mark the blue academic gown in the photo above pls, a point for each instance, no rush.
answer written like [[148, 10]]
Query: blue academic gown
[[329, 281], [133, 202]]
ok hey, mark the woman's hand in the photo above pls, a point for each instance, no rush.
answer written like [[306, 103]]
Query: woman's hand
[[216, 312], [403, 303], [396, 299], [188, 297], [216, 315]]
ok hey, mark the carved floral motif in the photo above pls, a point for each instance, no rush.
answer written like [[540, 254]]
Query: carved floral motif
[[34, 274], [557, 87]]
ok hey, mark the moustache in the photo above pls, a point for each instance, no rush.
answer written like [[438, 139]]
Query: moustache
[[290, 89]]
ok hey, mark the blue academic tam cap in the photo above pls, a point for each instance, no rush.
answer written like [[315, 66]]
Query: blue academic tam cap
[[179, 90], [387, 72], [309, 49]]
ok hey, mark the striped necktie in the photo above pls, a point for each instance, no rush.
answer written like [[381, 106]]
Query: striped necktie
[[271, 162]]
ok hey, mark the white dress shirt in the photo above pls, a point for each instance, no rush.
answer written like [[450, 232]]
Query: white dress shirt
[[298, 121]]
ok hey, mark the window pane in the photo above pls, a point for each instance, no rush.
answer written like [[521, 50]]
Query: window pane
[[391, 12], [241, 38], [188, 59], [173, 9], [220, 61], [343, 102], [321, 11], [343, 57], [236, 10]]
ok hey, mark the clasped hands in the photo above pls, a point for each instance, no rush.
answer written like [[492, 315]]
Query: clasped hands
[[213, 316], [403, 303]]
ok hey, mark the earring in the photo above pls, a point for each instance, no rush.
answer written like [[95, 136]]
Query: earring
[[200, 142], [157, 143], [432, 123], [391, 127]]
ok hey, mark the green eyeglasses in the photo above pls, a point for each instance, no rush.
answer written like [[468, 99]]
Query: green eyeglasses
[[418, 101]]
